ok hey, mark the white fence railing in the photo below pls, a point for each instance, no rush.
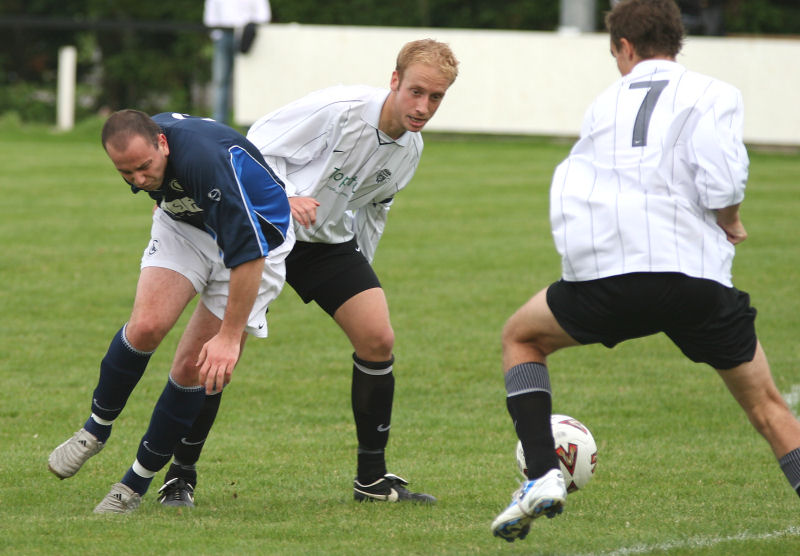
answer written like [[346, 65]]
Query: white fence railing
[[511, 82]]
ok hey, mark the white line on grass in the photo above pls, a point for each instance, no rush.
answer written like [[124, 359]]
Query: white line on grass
[[792, 398], [699, 542]]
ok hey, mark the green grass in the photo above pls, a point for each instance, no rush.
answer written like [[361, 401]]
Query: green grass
[[680, 470]]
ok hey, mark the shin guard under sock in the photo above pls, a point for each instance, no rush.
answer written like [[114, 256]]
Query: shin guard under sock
[[120, 371], [372, 394], [173, 415], [529, 404], [790, 465], [188, 449]]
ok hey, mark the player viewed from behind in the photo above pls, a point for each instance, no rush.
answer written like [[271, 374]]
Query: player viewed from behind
[[222, 229], [344, 153], [645, 214]]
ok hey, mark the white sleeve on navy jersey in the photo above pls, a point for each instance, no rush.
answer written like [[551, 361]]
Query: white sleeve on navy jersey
[[659, 151], [327, 146]]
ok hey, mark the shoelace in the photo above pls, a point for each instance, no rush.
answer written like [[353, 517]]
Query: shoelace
[[172, 490], [175, 494]]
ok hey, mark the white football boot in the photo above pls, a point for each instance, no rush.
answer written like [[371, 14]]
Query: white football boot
[[70, 455], [537, 497], [121, 499]]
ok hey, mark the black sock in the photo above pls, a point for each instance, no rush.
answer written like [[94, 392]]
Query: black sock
[[372, 394], [529, 404], [531, 415], [187, 451], [790, 465], [371, 465]]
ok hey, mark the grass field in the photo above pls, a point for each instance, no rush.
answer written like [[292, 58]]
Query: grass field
[[680, 470]]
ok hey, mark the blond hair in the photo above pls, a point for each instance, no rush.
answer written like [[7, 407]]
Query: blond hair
[[431, 52]]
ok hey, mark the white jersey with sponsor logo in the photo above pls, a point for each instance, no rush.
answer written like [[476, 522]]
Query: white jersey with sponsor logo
[[327, 145], [659, 151]]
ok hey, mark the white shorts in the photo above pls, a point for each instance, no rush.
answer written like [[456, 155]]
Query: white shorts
[[195, 255]]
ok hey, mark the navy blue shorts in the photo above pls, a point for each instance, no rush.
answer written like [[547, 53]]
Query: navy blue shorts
[[329, 273], [709, 322]]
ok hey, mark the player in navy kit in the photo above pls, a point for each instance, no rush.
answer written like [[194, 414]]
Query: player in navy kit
[[222, 229]]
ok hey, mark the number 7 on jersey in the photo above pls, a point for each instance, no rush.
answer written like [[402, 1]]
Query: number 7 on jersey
[[642, 122]]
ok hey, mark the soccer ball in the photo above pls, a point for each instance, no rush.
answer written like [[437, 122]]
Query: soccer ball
[[575, 448]]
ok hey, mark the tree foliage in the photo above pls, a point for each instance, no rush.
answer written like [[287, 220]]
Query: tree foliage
[[128, 56], [121, 63]]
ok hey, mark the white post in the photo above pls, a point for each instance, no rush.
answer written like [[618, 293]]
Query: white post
[[577, 16], [65, 103]]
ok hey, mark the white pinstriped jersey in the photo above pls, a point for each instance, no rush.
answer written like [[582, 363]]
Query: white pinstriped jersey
[[327, 145], [659, 151]]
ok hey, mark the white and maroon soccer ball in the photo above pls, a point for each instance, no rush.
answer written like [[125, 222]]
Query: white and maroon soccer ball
[[575, 448]]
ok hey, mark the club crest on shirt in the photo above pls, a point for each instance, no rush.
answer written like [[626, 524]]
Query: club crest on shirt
[[383, 175]]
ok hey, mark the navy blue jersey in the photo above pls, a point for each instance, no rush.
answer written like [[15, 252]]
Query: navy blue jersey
[[216, 180]]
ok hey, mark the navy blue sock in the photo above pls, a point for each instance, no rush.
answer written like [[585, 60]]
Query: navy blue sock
[[136, 482], [188, 450], [100, 430], [173, 415], [120, 371]]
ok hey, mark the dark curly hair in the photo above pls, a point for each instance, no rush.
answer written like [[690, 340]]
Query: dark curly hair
[[653, 27]]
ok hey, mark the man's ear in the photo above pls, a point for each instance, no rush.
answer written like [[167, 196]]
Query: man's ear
[[394, 84], [162, 144], [626, 48]]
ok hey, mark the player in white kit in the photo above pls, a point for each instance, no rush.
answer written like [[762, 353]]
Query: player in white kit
[[343, 154], [645, 215]]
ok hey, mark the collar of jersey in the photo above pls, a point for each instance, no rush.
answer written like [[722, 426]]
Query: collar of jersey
[[372, 116], [651, 66]]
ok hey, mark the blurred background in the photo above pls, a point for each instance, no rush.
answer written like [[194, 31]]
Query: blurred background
[[156, 55]]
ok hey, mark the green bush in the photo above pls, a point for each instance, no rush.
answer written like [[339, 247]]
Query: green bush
[[125, 65], [29, 101], [119, 65]]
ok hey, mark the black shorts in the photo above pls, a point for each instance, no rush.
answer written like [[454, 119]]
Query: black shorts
[[329, 273], [709, 322]]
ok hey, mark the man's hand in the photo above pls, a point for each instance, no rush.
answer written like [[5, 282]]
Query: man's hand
[[219, 355], [217, 360], [728, 219], [304, 210]]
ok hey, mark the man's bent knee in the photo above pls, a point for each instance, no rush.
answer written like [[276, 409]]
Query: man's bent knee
[[145, 335], [186, 373], [375, 346]]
